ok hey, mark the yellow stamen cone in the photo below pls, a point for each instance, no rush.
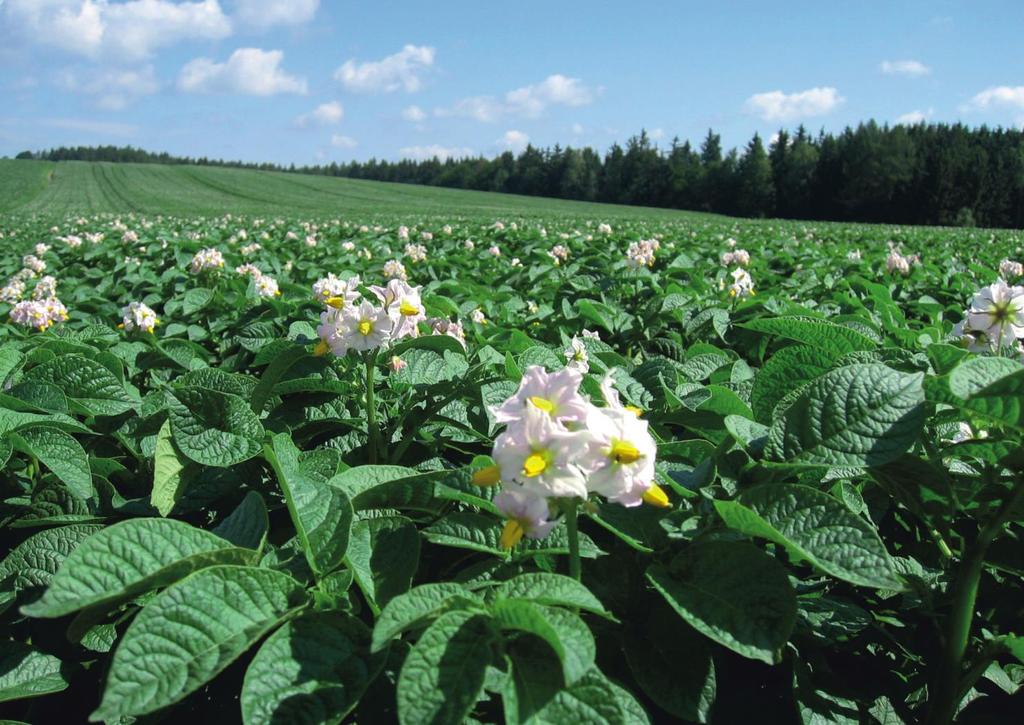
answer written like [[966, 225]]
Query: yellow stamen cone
[[543, 403], [534, 465], [634, 410], [656, 496], [624, 452], [335, 302], [511, 534], [486, 476], [408, 309], [365, 328], [321, 349]]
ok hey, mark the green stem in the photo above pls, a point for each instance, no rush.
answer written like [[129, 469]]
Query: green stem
[[946, 696], [572, 527], [371, 409]]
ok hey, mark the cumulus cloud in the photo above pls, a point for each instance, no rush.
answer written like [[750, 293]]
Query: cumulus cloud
[[997, 97], [422, 153], [263, 14], [125, 31], [343, 142], [514, 140], [401, 71], [914, 117], [326, 114], [779, 106], [909, 68], [249, 71], [528, 102], [577, 129], [414, 114], [113, 89]]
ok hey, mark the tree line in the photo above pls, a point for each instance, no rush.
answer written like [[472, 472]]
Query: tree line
[[946, 174]]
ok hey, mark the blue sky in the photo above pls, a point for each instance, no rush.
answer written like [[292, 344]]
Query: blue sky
[[314, 81]]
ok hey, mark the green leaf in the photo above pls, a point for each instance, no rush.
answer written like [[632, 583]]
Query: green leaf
[[62, 454], [383, 554], [550, 589], [815, 527], [129, 558], [415, 606], [784, 372], [214, 428], [90, 387], [35, 560], [272, 375], [443, 674], [853, 416], [591, 699], [733, 593], [312, 670], [190, 632], [247, 525], [976, 373], [196, 299], [1001, 401], [821, 334], [26, 672], [321, 513], [566, 634], [168, 464]]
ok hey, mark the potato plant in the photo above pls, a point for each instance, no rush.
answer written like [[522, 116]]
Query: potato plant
[[536, 470]]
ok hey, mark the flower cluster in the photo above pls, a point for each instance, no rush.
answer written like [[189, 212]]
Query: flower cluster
[[416, 252], [346, 325], [33, 263], [138, 316], [39, 314], [557, 445], [393, 269], [995, 319], [559, 253], [896, 261], [206, 260], [603, 228], [46, 288], [739, 257], [742, 283], [344, 291], [641, 254], [1008, 269], [266, 286]]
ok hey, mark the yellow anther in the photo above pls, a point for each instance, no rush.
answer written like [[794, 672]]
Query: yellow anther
[[511, 534], [624, 452], [365, 327], [486, 476], [655, 496], [335, 302], [634, 410], [321, 349], [543, 403], [534, 465], [408, 309]]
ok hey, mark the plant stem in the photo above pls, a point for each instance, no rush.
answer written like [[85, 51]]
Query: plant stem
[[946, 696], [572, 527], [371, 409]]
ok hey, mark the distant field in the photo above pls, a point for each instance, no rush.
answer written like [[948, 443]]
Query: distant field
[[39, 187]]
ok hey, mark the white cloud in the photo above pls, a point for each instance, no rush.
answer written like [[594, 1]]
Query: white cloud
[[94, 128], [249, 71], [528, 102], [909, 68], [400, 71], [514, 140], [262, 14], [656, 134], [779, 106], [414, 114], [113, 89], [914, 117], [996, 97], [326, 114], [343, 142], [127, 31], [422, 153], [577, 129]]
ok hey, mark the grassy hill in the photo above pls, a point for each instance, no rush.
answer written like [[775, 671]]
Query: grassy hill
[[73, 187]]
